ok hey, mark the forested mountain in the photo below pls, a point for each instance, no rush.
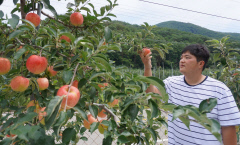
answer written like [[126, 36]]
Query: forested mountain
[[127, 35], [188, 27]]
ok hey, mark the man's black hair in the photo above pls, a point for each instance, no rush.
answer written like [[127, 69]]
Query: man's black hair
[[199, 51]]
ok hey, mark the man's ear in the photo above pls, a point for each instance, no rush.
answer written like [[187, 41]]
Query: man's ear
[[201, 63]]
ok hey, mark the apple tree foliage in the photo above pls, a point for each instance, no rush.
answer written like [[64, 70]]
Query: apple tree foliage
[[83, 59], [228, 63]]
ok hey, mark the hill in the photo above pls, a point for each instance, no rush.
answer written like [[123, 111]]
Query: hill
[[188, 27]]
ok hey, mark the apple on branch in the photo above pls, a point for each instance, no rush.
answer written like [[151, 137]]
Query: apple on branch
[[5, 66], [73, 96], [75, 83], [36, 64], [51, 72], [76, 19], [33, 18], [19, 83], [43, 83], [65, 38]]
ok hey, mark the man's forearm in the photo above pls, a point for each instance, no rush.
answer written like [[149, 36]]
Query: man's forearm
[[229, 135], [148, 72]]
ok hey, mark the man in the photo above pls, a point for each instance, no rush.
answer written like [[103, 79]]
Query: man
[[190, 89]]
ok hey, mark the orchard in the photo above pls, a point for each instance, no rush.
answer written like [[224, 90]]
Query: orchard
[[57, 69]]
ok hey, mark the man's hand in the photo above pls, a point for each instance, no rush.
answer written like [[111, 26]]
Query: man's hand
[[146, 59]]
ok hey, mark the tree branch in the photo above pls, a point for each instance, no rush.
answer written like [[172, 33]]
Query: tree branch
[[117, 120]]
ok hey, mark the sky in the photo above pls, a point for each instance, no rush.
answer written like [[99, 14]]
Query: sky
[[198, 12]]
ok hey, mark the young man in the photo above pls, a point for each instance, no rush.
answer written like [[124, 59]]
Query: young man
[[190, 89]]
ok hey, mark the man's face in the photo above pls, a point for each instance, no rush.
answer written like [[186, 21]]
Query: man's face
[[188, 63]]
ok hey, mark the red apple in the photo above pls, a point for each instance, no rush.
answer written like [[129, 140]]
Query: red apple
[[41, 115], [91, 119], [73, 96], [65, 38], [51, 71], [19, 83], [76, 19], [34, 103], [43, 83], [146, 51], [34, 18], [5, 66], [102, 113], [75, 83], [36, 64]]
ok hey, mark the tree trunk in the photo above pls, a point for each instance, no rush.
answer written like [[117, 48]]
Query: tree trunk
[[23, 14]]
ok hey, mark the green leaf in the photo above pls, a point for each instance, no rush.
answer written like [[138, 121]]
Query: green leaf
[[19, 53], [107, 34], [94, 126], [178, 111], [49, 7], [93, 110], [156, 82], [67, 76], [86, 9], [68, 135], [58, 67], [1, 1], [154, 108], [61, 119], [185, 120], [69, 5], [125, 133], [216, 57], [103, 62], [133, 111], [207, 105], [79, 110], [145, 140], [114, 47], [6, 141], [215, 126], [15, 34], [107, 141], [15, 2], [82, 82], [1, 14], [30, 24], [153, 133], [52, 106], [122, 139], [14, 20], [27, 117], [102, 9]]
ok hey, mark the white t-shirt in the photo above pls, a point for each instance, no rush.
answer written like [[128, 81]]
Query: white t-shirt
[[181, 93]]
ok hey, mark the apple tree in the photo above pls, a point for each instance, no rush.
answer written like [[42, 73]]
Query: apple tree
[[55, 75]]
